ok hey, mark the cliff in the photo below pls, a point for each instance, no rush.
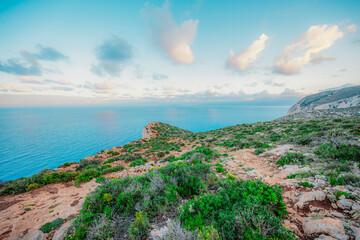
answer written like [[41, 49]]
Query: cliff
[[334, 99]]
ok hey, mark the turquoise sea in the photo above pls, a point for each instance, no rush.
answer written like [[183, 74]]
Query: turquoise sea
[[33, 139]]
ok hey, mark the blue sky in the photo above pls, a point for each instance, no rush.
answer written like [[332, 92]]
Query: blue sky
[[122, 52]]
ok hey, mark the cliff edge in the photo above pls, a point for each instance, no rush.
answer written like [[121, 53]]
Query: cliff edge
[[334, 99]]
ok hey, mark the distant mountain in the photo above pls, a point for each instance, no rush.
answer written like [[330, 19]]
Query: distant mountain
[[333, 99]]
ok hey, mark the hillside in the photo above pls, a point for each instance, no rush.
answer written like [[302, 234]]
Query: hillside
[[283, 179], [334, 99]]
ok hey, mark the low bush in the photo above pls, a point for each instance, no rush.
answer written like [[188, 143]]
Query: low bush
[[85, 163], [140, 227], [306, 184], [259, 151], [87, 175], [239, 210], [47, 227], [137, 163], [153, 193], [342, 152], [43, 178], [291, 158]]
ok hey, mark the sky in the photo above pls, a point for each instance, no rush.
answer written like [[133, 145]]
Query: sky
[[117, 52]]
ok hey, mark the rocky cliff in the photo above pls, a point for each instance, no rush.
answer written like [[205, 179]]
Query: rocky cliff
[[334, 99]]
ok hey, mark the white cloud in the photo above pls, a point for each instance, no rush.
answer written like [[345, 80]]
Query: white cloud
[[351, 28], [244, 60], [174, 39], [316, 39]]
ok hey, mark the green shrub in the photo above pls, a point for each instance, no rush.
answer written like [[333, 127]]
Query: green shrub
[[140, 228], [153, 193], [291, 158], [338, 194], [208, 233], [137, 163], [43, 178], [86, 176], [47, 227], [32, 186], [239, 210], [259, 151], [306, 184], [220, 169], [342, 152], [160, 154], [302, 175], [84, 163]]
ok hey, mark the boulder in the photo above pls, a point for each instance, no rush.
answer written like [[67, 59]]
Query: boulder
[[328, 226], [325, 237], [344, 203], [310, 196]]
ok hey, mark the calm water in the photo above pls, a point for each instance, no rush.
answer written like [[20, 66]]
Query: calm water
[[33, 139]]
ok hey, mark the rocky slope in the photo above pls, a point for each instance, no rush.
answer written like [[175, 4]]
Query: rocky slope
[[314, 161], [334, 99]]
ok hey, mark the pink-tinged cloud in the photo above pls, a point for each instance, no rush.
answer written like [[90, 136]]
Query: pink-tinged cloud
[[13, 88], [315, 40], [243, 61], [175, 40]]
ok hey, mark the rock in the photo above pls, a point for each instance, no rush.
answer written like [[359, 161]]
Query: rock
[[329, 226], [342, 197], [344, 203], [61, 232], [291, 227], [357, 233], [310, 196], [337, 214], [355, 207], [324, 237], [38, 235]]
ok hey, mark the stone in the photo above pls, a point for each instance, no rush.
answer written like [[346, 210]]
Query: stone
[[310, 196], [355, 207], [60, 234], [357, 233], [38, 235], [344, 203], [337, 214], [324, 237], [329, 226], [291, 227]]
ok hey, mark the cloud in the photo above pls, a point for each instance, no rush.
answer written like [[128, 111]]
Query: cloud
[[351, 28], [175, 40], [244, 60], [102, 87], [49, 54], [112, 54], [27, 79], [14, 88], [159, 76], [273, 84], [62, 88], [316, 39], [13, 66]]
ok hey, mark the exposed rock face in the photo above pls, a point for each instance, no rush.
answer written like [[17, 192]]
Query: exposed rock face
[[149, 131], [329, 226], [342, 98]]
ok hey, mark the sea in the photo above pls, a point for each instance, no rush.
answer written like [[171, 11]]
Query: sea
[[34, 139]]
